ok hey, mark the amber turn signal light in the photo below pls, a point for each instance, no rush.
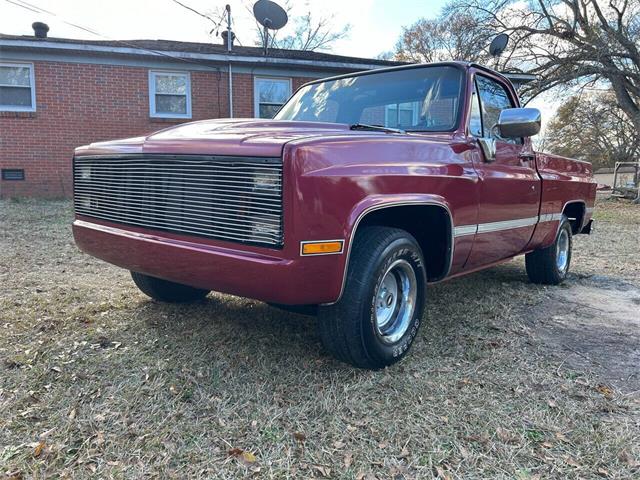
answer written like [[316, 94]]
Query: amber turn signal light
[[321, 248]]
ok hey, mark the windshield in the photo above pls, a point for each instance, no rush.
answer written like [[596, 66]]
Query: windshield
[[413, 99]]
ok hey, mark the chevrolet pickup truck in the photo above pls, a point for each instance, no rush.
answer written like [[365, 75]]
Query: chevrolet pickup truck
[[364, 189]]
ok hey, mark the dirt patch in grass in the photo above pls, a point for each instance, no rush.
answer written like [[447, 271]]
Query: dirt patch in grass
[[594, 323], [97, 381]]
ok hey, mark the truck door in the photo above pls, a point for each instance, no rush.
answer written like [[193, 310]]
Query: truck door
[[509, 186]]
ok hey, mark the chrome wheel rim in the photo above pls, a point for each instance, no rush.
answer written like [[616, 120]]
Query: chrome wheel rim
[[562, 251], [395, 301]]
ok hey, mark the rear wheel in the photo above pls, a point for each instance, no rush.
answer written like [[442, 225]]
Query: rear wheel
[[166, 291], [376, 320], [549, 266]]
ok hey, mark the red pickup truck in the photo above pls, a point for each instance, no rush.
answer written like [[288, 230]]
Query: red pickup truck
[[363, 189]]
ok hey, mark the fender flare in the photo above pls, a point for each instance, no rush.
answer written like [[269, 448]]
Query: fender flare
[[379, 202]]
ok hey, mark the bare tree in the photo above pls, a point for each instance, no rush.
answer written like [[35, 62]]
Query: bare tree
[[593, 127], [571, 43], [454, 35], [310, 32]]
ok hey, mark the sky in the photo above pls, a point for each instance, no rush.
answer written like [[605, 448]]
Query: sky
[[374, 25]]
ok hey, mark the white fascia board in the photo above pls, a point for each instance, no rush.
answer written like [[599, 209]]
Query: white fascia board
[[213, 57]]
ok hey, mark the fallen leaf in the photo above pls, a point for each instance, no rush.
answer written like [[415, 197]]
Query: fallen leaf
[[299, 436], [463, 452], [72, 414], [322, 470], [603, 473], [39, 448], [561, 437], [572, 462], [625, 457], [605, 391], [383, 445], [234, 452], [339, 444], [56, 369], [348, 459], [506, 436], [249, 457], [440, 473], [404, 453]]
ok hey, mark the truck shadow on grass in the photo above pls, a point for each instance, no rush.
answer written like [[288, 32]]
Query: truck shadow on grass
[[589, 324], [473, 307]]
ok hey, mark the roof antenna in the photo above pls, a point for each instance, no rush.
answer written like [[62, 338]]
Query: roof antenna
[[228, 36], [271, 16]]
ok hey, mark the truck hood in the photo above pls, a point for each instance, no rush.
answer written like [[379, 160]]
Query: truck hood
[[250, 137]]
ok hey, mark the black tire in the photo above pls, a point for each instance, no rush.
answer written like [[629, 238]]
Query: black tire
[[543, 264], [166, 291], [350, 329]]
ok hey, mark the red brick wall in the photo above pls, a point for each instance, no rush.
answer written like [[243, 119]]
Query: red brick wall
[[83, 103]]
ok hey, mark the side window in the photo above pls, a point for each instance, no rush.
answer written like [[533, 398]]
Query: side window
[[475, 120], [493, 99]]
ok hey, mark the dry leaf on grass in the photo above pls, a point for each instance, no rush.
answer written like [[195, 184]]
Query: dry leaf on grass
[[348, 459], [245, 457], [441, 473], [322, 470], [506, 436], [37, 451], [572, 462], [605, 391], [625, 457], [299, 436], [339, 444]]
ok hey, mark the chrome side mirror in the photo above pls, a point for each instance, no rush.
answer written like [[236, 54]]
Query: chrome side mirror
[[519, 122]]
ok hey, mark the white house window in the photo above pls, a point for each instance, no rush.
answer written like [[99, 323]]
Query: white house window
[[402, 115], [170, 94], [269, 95], [17, 87]]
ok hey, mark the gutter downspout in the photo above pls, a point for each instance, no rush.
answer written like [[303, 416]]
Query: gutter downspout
[[229, 42], [230, 92]]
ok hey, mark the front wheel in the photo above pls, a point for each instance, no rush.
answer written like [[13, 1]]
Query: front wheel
[[549, 266], [375, 322], [166, 291]]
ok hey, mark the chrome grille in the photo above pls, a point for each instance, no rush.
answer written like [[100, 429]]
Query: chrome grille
[[228, 198]]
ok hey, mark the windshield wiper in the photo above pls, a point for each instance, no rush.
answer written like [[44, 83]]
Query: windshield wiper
[[378, 128]]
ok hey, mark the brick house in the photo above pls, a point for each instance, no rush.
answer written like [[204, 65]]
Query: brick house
[[56, 94]]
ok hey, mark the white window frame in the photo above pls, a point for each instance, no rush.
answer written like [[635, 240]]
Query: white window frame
[[152, 94], [32, 81], [414, 112], [256, 97]]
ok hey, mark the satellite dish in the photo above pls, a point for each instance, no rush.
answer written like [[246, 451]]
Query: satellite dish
[[271, 16], [498, 45]]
